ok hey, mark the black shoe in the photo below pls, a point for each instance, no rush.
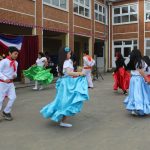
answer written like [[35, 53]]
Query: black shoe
[[90, 87], [125, 93], [7, 116]]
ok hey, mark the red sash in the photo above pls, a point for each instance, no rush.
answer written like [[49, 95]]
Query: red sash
[[7, 82], [87, 67]]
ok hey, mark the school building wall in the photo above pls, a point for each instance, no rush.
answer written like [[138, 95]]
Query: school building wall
[[131, 31], [37, 17], [33, 17]]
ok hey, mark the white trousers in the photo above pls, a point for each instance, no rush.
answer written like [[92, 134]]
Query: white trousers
[[87, 72], [7, 89]]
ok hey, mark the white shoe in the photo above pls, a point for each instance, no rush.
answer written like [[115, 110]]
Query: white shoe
[[35, 88], [67, 125], [134, 113], [41, 88]]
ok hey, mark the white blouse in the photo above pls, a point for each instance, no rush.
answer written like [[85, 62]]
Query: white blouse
[[41, 61], [68, 66]]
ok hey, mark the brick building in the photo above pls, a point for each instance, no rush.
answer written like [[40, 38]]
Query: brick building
[[102, 26], [130, 27]]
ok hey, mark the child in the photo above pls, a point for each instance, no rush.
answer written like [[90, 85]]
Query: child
[[8, 72], [138, 100], [38, 73], [121, 76], [88, 63], [72, 90]]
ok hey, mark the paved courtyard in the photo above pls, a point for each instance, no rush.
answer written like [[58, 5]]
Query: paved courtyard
[[103, 124]]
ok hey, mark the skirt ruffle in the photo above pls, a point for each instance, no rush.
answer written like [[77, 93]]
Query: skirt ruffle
[[40, 74], [71, 92], [138, 99], [121, 79]]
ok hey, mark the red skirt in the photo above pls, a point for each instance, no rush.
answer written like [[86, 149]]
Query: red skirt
[[121, 79]]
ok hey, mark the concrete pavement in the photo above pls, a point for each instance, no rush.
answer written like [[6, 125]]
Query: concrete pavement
[[103, 124]]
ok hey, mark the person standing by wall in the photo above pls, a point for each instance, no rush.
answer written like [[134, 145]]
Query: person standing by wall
[[88, 63]]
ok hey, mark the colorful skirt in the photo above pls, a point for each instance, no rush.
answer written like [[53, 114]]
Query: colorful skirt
[[121, 79], [71, 93], [40, 74], [138, 99]]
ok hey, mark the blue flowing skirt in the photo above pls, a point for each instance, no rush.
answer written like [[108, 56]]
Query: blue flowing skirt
[[71, 92], [139, 96]]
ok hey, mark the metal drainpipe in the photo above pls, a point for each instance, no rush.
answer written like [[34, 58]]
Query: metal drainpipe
[[109, 4], [105, 29]]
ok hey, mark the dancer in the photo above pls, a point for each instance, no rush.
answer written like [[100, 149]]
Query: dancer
[[72, 91], [39, 73], [138, 100], [88, 63], [120, 75], [8, 72]]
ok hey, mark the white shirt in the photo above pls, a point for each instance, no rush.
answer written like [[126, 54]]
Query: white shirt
[[68, 65], [88, 63], [6, 71], [41, 61]]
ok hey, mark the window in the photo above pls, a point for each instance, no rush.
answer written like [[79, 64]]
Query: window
[[100, 13], [147, 47], [124, 47], [118, 43], [82, 7], [147, 11], [125, 14], [117, 11], [63, 4], [125, 10], [57, 3], [127, 42], [127, 51]]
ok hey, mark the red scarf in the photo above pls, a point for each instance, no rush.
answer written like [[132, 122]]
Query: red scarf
[[12, 63]]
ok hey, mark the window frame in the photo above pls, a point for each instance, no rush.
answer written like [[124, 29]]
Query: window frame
[[125, 14], [146, 11], [146, 39], [103, 14], [122, 45], [57, 7], [84, 6]]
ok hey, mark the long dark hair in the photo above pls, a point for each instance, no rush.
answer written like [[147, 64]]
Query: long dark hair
[[147, 61], [119, 56], [119, 61], [135, 60], [62, 56], [41, 54]]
